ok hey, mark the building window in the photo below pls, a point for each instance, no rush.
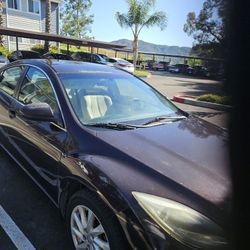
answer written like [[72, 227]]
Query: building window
[[13, 39], [14, 4], [34, 6]]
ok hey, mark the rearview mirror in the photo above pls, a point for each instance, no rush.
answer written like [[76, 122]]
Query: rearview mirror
[[37, 112]]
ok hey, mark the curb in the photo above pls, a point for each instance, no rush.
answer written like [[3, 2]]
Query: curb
[[191, 101]]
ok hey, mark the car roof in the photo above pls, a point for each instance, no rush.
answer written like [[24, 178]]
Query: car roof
[[26, 51], [67, 66]]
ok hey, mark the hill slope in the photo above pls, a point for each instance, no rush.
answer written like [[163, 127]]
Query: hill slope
[[151, 47]]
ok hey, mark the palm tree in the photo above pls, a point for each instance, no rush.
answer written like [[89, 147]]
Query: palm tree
[[138, 17], [47, 23], [1, 21]]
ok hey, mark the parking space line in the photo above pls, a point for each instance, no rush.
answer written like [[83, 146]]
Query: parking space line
[[13, 231]]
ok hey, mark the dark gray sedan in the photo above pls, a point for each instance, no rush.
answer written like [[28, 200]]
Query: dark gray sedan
[[124, 166]]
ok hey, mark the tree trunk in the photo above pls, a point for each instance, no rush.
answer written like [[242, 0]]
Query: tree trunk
[[47, 23], [135, 50], [1, 21]]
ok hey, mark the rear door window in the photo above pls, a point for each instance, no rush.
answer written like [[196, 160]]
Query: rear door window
[[9, 79]]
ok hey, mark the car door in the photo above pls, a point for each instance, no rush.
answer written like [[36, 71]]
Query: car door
[[40, 143], [8, 84]]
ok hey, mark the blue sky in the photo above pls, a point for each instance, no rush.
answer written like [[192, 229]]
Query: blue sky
[[105, 27]]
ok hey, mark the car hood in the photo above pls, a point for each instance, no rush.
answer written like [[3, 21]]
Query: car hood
[[191, 152]]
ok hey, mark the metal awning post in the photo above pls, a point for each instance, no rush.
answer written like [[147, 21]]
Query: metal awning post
[[17, 47], [92, 50], [67, 49]]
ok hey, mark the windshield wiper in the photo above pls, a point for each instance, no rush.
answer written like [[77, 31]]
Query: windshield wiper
[[120, 126], [124, 126], [165, 118]]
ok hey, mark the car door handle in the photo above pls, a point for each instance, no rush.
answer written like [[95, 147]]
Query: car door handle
[[12, 114]]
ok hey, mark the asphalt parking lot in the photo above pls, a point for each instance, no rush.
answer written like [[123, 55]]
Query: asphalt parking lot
[[176, 84], [30, 210], [30, 221]]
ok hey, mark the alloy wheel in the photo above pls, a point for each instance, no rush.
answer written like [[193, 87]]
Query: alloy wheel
[[87, 231]]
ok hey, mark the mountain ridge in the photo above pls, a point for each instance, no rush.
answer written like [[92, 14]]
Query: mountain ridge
[[157, 48]]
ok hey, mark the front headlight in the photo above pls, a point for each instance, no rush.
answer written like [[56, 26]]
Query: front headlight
[[182, 223]]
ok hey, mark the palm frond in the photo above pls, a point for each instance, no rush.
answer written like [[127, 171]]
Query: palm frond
[[159, 19], [122, 20]]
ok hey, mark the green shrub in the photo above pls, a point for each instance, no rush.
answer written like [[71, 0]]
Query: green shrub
[[72, 49], [54, 49], [226, 100], [39, 48], [4, 51]]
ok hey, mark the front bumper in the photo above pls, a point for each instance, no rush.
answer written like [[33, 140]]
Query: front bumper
[[154, 238], [150, 236]]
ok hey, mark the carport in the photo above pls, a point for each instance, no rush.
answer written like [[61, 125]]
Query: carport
[[57, 38], [93, 44], [163, 56]]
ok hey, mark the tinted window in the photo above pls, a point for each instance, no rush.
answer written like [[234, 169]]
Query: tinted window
[[112, 60], [36, 88], [9, 79], [96, 58], [30, 54], [86, 56]]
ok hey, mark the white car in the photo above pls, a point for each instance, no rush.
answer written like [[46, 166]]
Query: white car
[[173, 69], [122, 64], [3, 60]]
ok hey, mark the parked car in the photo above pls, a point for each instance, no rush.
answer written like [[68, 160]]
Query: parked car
[[122, 64], [106, 58], [125, 167], [182, 67], [23, 54], [200, 71], [160, 65], [88, 57], [58, 56], [173, 69], [3, 60], [179, 68], [150, 64]]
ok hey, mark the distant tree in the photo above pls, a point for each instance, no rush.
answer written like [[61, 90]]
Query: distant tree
[[1, 21], [138, 17], [74, 19], [208, 27], [47, 23]]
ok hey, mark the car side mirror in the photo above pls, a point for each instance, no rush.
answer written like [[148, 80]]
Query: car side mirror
[[37, 112]]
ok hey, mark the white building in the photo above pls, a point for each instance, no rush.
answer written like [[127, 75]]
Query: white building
[[28, 15]]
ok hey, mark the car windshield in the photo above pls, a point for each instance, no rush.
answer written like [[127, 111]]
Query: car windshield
[[102, 97], [122, 61], [104, 57]]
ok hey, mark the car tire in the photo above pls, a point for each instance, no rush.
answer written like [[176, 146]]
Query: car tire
[[91, 205]]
